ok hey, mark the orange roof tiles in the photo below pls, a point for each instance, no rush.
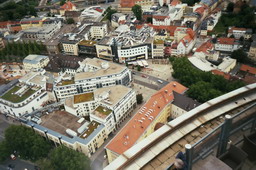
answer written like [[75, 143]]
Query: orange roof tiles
[[200, 10], [127, 3], [67, 6], [160, 16], [247, 68], [138, 124], [205, 47], [175, 2], [231, 29], [225, 75], [228, 41]]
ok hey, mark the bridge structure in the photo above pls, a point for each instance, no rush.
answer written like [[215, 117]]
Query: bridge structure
[[200, 129]]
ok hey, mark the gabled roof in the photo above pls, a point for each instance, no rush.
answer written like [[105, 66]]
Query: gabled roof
[[68, 6], [184, 102], [228, 41], [127, 3], [205, 47], [248, 69], [175, 2], [139, 123], [221, 73], [232, 29]]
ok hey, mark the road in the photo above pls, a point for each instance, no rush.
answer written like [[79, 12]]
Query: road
[[148, 80], [17, 164]]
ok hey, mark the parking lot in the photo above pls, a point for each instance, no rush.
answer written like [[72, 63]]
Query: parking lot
[[161, 71]]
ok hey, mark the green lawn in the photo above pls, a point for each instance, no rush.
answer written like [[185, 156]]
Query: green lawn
[[67, 82], [15, 98], [219, 29], [103, 110]]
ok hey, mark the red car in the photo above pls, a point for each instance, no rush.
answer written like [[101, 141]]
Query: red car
[[143, 75]]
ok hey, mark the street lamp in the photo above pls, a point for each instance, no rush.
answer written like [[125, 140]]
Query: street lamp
[[60, 139], [33, 125], [45, 132]]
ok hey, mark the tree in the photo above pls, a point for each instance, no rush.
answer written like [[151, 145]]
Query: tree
[[239, 55], [70, 21], [66, 159], [230, 7], [138, 68], [5, 152], [62, 2], [137, 10], [149, 20], [110, 12], [27, 143], [139, 98], [241, 39]]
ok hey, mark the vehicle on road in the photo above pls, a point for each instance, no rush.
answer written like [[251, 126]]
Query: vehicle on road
[[13, 157], [145, 76], [160, 81]]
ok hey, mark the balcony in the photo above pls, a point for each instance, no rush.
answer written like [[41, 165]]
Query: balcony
[[226, 145]]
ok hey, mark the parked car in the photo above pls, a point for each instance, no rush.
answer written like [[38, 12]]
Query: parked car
[[145, 76], [160, 81], [13, 157]]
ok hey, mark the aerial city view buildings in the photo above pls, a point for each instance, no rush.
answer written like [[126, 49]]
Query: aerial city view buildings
[[127, 84]]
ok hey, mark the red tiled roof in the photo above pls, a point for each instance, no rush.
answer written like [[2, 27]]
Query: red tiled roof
[[231, 29], [248, 69], [200, 10], [175, 2], [225, 75], [3, 24], [205, 47], [228, 41], [68, 6], [127, 3], [160, 16], [135, 128]]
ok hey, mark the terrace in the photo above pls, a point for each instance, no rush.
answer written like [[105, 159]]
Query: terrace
[[66, 82], [59, 121], [83, 98], [91, 127], [102, 112], [14, 98]]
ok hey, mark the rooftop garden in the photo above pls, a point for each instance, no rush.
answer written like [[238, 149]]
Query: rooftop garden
[[10, 96], [91, 127], [83, 97], [66, 82], [158, 41], [103, 110], [87, 43]]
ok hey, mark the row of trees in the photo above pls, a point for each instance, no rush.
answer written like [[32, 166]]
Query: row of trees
[[203, 86], [15, 11], [23, 141], [16, 51]]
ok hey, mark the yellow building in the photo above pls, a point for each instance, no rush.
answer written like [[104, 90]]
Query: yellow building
[[252, 52], [158, 48], [155, 110], [32, 22]]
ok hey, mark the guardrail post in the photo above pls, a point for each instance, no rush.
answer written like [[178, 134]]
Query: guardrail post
[[224, 135], [189, 153]]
